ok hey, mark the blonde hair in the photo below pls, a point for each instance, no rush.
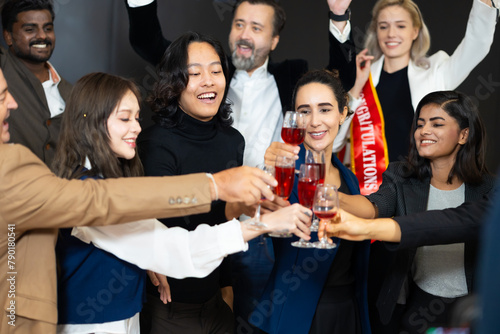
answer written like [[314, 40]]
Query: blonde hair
[[420, 45]]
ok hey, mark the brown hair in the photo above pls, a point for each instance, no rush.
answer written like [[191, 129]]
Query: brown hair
[[84, 131]]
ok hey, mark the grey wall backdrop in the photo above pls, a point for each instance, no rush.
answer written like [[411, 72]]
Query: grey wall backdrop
[[92, 35]]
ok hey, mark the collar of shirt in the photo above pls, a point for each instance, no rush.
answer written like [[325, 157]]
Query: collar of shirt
[[54, 77]]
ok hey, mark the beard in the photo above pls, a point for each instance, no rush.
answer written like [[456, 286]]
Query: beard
[[33, 58], [242, 62]]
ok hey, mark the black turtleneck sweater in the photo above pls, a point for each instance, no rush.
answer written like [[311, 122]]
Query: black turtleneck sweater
[[192, 146]]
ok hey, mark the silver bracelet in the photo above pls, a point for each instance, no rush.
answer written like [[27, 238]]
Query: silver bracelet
[[211, 177]]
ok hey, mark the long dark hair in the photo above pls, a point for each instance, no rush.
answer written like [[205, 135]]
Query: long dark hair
[[84, 129], [327, 78], [173, 79], [469, 164]]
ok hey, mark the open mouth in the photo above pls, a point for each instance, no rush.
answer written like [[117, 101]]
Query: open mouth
[[130, 142], [5, 126], [392, 44], [244, 47], [207, 96]]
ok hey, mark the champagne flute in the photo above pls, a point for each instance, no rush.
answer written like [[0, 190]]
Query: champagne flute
[[316, 158], [285, 174], [293, 130], [308, 179], [325, 206], [255, 223]]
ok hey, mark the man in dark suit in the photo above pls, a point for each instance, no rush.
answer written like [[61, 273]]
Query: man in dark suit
[[260, 90], [28, 30]]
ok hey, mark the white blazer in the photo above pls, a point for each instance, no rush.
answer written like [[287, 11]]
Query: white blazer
[[445, 72]]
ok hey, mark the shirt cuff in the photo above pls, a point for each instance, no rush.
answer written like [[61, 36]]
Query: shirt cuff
[[343, 36], [138, 3], [354, 103], [230, 237]]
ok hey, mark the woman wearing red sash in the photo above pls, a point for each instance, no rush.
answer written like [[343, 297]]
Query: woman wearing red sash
[[394, 74]]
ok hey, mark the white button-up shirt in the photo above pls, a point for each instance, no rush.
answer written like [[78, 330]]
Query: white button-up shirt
[[256, 111], [54, 99]]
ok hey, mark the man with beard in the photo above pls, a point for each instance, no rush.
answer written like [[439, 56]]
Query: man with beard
[[260, 90], [28, 30]]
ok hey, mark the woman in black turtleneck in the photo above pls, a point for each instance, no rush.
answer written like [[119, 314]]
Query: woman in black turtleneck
[[192, 134]]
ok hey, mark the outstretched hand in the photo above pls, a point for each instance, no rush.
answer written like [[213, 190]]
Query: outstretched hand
[[294, 218], [244, 184], [345, 226], [350, 227], [276, 148]]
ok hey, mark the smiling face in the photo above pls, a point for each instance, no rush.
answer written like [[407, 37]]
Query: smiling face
[[323, 118], [7, 103], [438, 135], [32, 38], [123, 127], [396, 33], [251, 38], [204, 92]]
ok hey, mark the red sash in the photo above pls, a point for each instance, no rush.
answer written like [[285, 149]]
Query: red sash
[[369, 157]]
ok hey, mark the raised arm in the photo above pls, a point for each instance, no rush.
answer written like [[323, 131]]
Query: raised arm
[[342, 51], [145, 33], [473, 48]]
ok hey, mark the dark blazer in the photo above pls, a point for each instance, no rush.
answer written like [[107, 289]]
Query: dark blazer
[[401, 196], [148, 42], [31, 124]]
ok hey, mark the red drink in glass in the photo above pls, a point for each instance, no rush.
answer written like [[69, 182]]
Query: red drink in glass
[[306, 189], [321, 167], [284, 176], [324, 212], [293, 136]]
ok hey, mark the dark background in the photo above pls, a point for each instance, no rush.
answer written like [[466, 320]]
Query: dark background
[[92, 35]]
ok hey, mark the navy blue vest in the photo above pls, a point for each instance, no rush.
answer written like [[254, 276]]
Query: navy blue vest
[[94, 286]]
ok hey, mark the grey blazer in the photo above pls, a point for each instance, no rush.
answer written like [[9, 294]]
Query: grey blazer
[[31, 124]]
